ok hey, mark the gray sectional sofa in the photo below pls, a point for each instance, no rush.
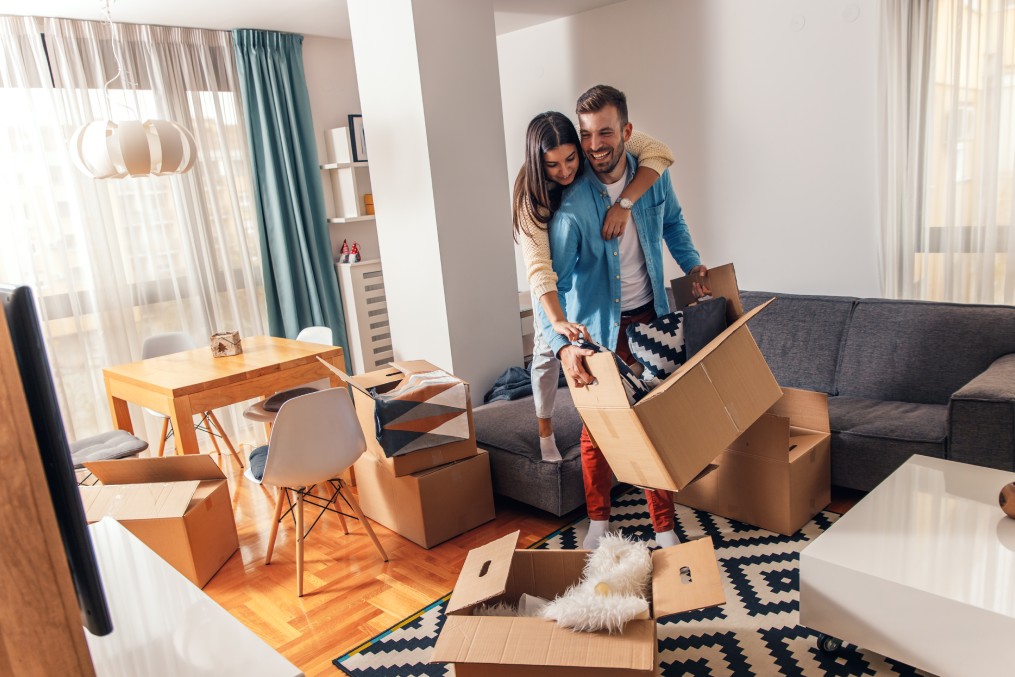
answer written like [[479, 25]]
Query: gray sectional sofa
[[904, 377]]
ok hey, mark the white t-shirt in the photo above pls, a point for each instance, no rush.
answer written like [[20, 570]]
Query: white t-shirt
[[635, 285]]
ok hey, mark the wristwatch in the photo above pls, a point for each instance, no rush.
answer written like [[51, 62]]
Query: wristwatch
[[624, 203]]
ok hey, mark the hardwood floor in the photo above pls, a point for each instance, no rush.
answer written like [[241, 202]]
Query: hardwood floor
[[350, 595]]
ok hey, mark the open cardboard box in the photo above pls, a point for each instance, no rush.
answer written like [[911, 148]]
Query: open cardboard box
[[684, 577], [777, 475], [179, 506], [384, 380], [665, 440]]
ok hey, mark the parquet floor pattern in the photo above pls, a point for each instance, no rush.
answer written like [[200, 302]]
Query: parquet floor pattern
[[350, 595]]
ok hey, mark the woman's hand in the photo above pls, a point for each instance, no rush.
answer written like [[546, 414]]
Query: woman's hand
[[571, 330], [615, 221]]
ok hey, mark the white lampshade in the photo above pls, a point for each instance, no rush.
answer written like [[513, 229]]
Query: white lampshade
[[112, 150]]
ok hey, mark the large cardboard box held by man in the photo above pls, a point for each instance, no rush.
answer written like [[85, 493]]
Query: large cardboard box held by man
[[179, 506], [430, 506], [498, 645], [422, 459], [665, 440], [777, 475]]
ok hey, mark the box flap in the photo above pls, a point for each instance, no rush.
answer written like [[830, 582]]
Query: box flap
[[685, 577], [538, 642], [153, 500], [414, 366], [166, 469], [372, 379], [484, 574], [804, 409], [606, 391], [721, 281], [705, 352]]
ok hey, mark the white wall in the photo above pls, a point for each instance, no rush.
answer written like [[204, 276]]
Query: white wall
[[772, 124], [334, 95]]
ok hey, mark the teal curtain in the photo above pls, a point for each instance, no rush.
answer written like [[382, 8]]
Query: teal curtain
[[300, 285]]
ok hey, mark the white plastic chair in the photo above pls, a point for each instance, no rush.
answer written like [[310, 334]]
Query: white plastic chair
[[257, 412], [316, 438], [167, 343]]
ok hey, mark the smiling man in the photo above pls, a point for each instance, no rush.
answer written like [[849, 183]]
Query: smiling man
[[607, 285]]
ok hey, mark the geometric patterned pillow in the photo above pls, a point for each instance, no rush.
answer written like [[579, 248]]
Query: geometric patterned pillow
[[424, 410], [658, 345]]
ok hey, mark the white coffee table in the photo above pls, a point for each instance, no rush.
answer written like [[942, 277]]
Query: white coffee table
[[921, 570]]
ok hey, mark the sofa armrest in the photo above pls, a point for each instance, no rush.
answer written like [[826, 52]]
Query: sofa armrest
[[981, 418]]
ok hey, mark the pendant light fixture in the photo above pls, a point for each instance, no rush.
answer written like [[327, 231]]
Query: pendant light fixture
[[105, 149]]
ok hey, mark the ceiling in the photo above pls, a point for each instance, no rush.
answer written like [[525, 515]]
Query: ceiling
[[327, 18]]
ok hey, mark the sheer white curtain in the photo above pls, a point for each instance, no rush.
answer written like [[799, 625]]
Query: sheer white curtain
[[114, 261], [948, 149]]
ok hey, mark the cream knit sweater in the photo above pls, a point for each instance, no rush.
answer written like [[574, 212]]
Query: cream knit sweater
[[535, 240]]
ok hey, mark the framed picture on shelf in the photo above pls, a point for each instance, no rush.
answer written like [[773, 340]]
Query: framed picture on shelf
[[359, 141]]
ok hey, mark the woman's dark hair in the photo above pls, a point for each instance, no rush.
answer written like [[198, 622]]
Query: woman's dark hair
[[546, 131]]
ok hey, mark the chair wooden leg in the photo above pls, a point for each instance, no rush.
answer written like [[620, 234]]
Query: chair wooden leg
[[267, 431], [211, 434], [341, 517], [274, 523], [162, 437], [299, 543], [225, 438], [366, 524]]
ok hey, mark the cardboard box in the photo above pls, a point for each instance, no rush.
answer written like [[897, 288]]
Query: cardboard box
[[777, 475], [671, 435], [430, 506], [179, 506], [498, 572], [415, 461]]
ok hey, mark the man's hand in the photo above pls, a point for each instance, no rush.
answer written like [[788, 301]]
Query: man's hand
[[613, 224], [698, 287], [572, 358], [571, 330]]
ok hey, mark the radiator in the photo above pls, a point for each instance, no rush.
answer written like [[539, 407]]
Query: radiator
[[366, 314]]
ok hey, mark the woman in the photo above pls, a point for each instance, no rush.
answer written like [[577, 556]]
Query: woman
[[553, 160]]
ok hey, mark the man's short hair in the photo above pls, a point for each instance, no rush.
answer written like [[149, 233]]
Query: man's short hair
[[601, 96]]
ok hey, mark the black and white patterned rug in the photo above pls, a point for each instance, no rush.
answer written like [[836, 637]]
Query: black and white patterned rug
[[756, 632]]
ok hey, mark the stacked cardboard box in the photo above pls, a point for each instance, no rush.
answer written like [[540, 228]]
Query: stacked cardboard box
[[671, 436], [430, 495], [179, 506], [777, 475], [684, 577]]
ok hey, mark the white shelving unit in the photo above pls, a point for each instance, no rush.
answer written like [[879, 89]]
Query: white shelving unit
[[366, 314], [349, 181]]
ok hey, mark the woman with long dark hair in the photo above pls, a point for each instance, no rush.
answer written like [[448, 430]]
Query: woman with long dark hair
[[553, 160]]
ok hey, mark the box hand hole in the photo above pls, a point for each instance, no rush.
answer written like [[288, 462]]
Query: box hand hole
[[485, 568], [685, 575]]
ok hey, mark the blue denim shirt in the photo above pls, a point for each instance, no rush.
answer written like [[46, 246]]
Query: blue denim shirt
[[588, 267]]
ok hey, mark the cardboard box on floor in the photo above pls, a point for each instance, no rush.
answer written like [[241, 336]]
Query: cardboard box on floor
[[777, 475], [384, 380], [430, 506], [498, 572], [671, 435], [179, 506]]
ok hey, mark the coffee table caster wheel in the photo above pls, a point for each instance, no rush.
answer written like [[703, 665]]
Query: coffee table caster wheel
[[828, 644]]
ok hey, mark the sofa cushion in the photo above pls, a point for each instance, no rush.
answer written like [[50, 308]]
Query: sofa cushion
[[511, 424], [920, 351], [800, 336], [891, 420]]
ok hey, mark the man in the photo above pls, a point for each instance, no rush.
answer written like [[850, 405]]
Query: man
[[606, 285]]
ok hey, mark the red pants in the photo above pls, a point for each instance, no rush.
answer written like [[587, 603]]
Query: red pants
[[596, 471]]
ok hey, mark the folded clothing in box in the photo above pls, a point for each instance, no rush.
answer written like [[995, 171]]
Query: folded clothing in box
[[425, 410]]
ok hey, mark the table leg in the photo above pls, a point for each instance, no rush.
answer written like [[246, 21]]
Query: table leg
[[121, 414], [183, 426]]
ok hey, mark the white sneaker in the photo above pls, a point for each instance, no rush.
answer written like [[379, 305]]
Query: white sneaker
[[597, 529], [548, 449], [667, 538]]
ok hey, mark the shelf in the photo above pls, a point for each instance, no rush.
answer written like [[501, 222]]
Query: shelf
[[344, 165], [364, 262], [350, 219]]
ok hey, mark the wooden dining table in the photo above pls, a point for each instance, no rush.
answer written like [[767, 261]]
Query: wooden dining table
[[183, 384]]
